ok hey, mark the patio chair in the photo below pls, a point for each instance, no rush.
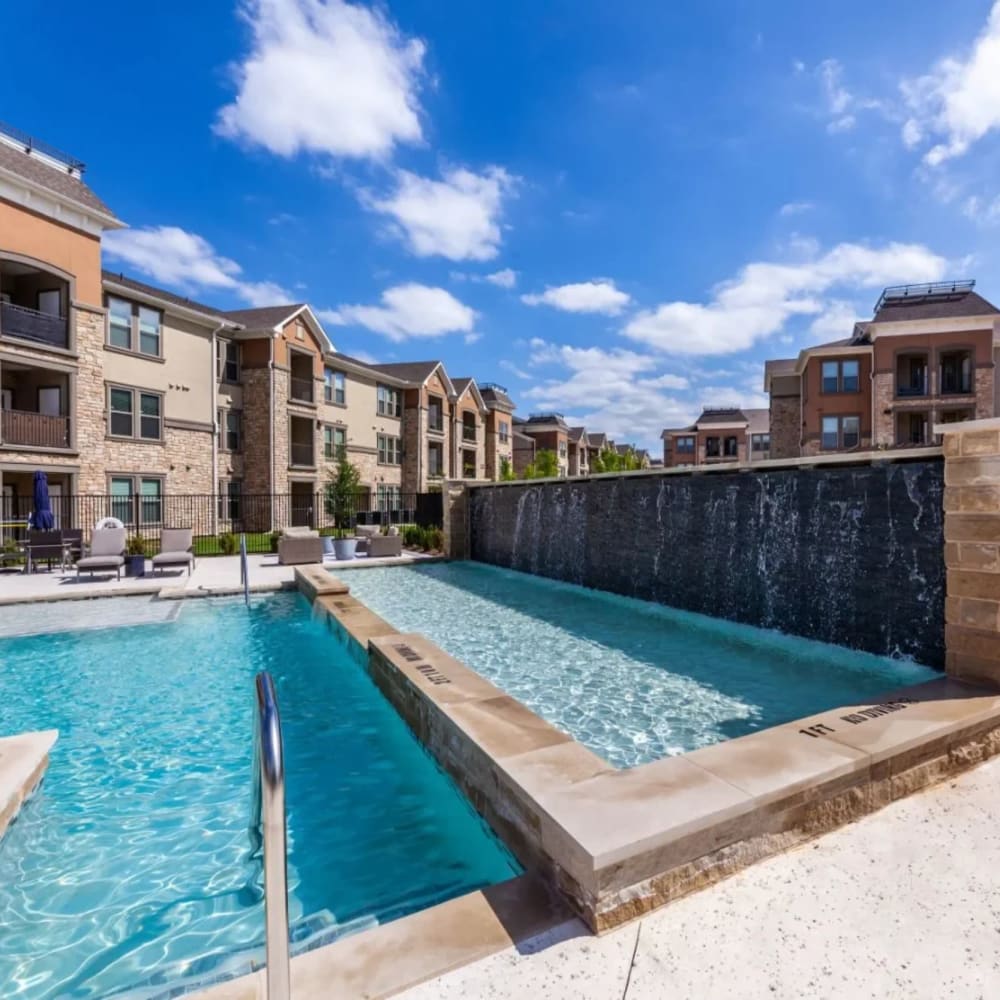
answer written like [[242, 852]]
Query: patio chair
[[175, 549], [43, 546], [383, 546], [299, 545], [364, 533], [72, 543], [107, 552]]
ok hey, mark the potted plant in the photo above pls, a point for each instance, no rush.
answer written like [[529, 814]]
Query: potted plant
[[275, 538], [327, 535], [342, 491], [135, 563]]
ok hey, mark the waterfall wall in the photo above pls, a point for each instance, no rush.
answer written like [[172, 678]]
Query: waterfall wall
[[852, 555]]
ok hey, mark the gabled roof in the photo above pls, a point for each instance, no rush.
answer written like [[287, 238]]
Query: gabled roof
[[597, 440], [464, 385], [417, 372], [121, 281], [265, 317], [365, 367], [38, 169], [577, 434], [722, 415]]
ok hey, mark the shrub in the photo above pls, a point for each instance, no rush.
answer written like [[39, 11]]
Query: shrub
[[228, 543], [413, 536], [275, 538], [435, 538], [136, 546]]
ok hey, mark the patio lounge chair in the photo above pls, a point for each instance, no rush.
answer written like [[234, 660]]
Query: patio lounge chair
[[383, 546], [299, 545], [364, 533], [175, 549], [107, 552]]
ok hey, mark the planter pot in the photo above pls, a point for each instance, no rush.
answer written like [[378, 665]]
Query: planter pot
[[135, 565], [344, 547], [328, 545]]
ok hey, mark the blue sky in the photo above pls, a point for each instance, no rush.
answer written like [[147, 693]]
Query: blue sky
[[616, 210]]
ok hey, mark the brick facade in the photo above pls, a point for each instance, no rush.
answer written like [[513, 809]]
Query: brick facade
[[785, 426]]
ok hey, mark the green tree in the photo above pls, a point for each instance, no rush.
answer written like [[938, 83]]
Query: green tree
[[530, 472], [342, 489], [546, 464], [506, 470]]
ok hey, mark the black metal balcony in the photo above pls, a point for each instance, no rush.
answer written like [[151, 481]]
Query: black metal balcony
[[915, 388], [30, 324]]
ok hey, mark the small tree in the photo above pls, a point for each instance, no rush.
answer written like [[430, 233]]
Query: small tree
[[530, 472], [546, 464], [342, 488], [506, 470]]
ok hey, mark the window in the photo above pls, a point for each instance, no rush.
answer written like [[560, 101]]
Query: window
[[503, 432], [137, 499], [389, 450], [956, 372], [684, 445], [731, 447], [334, 386], [231, 500], [388, 401], [120, 324], [388, 498], [122, 406], [228, 360], [230, 429], [841, 376], [334, 438], [760, 442], [841, 432], [136, 328], [713, 447], [435, 460], [149, 331], [435, 413]]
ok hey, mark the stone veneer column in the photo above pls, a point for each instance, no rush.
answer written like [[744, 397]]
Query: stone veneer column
[[455, 506], [884, 430], [972, 549]]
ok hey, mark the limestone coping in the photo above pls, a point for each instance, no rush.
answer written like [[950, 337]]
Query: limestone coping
[[23, 761]]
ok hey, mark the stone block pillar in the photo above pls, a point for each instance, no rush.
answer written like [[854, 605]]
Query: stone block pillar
[[455, 504], [972, 549]]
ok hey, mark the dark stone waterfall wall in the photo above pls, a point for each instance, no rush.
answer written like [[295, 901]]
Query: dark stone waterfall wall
[[849, 555]]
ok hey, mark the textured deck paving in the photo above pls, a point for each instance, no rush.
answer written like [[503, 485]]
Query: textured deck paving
[[903, 903]]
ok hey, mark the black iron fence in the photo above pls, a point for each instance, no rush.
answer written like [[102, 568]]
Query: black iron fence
[[215, 517]]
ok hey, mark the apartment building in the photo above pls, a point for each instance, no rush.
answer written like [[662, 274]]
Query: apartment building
[[927, 356], [499, 428], [522, 447], [116, 387], [720, 434], [578, 457], [550, 432]]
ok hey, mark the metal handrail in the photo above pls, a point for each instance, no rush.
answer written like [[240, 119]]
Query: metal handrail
[[267, 819], [244, 569]]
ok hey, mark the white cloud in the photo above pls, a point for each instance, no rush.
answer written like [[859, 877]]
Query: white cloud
[[506, 278], [795, 208], [599, 296], [840, 105], [472, 338], [763, 296], [982, 211], [409, 310], [836, 321], [616, 391], [324, 76], [174, 257], [509, 366], [958, 102], [457, 217]]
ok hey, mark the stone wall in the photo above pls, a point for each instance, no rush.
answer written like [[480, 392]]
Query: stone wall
[[850, 554], [786, 430]]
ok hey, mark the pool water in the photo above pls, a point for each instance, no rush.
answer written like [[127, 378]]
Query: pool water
[[632, 680], [130, 869]]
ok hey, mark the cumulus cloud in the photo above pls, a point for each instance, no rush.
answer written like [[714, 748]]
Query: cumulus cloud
[[505, 278], [457, 217], [407, 311], [600, 296], [982, 211], [174, 257], [509, 366], [958, 102], [325, 76], [763, 296], [836, 321], [795, 208]]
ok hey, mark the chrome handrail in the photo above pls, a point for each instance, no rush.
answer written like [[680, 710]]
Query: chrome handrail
[[267, 819], [244, 570]]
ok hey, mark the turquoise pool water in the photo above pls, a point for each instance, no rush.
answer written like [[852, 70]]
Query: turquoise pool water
[[129, 871], [634, 681]]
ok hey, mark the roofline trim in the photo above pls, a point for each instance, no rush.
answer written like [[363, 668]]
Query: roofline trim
[[214, 319]]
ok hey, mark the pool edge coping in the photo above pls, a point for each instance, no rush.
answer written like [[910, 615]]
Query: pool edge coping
[[24, 759]]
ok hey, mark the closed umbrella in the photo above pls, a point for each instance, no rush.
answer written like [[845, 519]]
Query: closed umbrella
[[42, 519]]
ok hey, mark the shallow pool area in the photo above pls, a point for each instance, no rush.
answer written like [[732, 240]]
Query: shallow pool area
[[631, 680], [130, 870]]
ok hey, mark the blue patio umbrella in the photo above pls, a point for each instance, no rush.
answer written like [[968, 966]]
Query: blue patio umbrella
[[42, 519]]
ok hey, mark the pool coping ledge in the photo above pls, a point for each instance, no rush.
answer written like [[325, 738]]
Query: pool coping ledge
[[24, 758]]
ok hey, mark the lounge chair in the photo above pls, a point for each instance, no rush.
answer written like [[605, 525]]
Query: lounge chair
[[384, 546], [107, 552], [299, 545], [175, 549], [364, 533]]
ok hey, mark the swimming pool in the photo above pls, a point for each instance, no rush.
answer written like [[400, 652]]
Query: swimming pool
[[632, 680], [129, 871]]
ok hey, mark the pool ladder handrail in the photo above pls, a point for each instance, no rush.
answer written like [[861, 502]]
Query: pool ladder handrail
[[244, 569], [267, 816]]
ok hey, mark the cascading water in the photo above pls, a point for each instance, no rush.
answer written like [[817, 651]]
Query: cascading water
[[850, 555]]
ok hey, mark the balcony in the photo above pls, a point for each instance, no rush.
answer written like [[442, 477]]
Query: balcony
[[31, 324], [34, 430], [301, 443], [302, 454], [956, 374], [300, 390], [469, 432]]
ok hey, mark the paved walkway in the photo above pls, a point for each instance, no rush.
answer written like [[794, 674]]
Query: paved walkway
[[211, 573], [904, 903]]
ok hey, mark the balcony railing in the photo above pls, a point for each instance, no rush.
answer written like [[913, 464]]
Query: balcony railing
[[302, 454], [918, 388], [435, 421], [301, 389], [468, 433], [30, 324], [956, 385], [34, 430]]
